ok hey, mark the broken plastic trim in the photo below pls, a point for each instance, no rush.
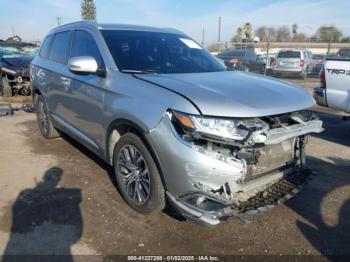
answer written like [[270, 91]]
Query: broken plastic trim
[[264, 130], [263, 201]]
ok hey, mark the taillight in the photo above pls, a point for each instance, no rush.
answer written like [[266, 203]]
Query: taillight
[[322, 78], [302, 63], [234, 61], [273, 62]]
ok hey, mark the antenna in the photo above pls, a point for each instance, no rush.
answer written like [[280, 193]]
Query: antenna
[[13, 31]]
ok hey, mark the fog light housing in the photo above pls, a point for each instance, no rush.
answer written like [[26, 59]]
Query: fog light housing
[[203, 203]]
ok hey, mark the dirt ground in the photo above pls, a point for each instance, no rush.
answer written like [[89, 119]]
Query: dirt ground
[[58, 198]]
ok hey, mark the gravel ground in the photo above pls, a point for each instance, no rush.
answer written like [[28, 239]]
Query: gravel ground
[[58, 198]]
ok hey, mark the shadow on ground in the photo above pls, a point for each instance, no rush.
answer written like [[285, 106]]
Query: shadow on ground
[[46, 220], [337, 130], [311, 204]]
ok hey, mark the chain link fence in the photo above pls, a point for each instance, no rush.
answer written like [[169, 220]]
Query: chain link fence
[[282, 51]]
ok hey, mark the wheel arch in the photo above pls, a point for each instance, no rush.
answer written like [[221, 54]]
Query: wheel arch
[[122, 126], [35, 93]]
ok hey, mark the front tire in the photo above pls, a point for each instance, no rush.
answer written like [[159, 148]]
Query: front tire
[[137, 175], [44, 119]]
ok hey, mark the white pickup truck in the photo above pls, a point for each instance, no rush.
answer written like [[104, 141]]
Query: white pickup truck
[[334, 90]]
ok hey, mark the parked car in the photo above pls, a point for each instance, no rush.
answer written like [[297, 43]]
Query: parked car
[[245, 60], [334, 89], [172, 120], [15, 59], [318, 62], [293, 62], [269, 61], [343, 53]]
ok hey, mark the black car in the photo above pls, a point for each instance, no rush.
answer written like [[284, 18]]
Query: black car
[[245, 60], [318, 62], [15, 59]]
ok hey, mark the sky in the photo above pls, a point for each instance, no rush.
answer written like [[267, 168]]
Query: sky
[[32, 19]]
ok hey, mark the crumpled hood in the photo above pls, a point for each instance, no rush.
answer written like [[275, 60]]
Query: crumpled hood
[[235, 93], [20, 65], [16, 62]]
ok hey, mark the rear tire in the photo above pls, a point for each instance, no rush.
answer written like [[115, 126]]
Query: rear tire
[[137, 175], [304, 76], [44, 119]]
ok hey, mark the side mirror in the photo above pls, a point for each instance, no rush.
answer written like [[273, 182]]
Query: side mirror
[[83, 65]]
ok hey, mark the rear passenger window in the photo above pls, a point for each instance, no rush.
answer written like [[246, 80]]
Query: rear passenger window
[[85, 45], [60, 47], [45, 49]]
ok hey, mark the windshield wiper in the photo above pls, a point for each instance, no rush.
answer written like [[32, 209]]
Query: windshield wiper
[[147, 71]]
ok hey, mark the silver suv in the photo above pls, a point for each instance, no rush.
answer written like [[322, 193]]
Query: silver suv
[[293, 62], [172, 121]]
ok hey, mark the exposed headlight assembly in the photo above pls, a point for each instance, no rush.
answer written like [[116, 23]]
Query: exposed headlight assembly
[[217, 128]]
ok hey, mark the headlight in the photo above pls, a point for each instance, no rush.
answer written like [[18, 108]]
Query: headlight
[[216, 128]]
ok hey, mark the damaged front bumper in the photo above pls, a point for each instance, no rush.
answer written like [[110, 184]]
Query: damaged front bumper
[[207, 181], [210, 212]]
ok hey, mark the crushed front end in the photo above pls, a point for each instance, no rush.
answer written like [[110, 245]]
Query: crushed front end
[[15, 77], [215, 169]]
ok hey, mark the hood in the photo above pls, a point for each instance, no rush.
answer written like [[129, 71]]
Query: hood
[[16, 62], [235, 93]]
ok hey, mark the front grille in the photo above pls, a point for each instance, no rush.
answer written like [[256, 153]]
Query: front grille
[[276, 194]]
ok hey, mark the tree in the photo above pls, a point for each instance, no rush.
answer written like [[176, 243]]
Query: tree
[[345, 39], [295, 29], [88, 10], [295, 32], [328, 34], [301, 38], [283, 34], [238, 36], [263, 33], [248, 32]]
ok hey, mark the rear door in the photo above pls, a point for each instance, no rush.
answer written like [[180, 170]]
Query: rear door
[[55, 71]]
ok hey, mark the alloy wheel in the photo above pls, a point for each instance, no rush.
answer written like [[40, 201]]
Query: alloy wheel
[[42, 117], [134, 174]]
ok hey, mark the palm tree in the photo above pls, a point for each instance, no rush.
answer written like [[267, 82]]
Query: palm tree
[[88, 10], [248, 31]]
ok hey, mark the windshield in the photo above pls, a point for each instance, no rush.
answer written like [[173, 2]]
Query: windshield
[[18, 51], [344, 53], [288, 54], [319, 57], [232, 53], [155, 52]]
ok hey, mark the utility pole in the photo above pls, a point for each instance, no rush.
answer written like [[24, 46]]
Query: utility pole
[[203, 42], [219, 34], [59, 20], [267, 51]]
